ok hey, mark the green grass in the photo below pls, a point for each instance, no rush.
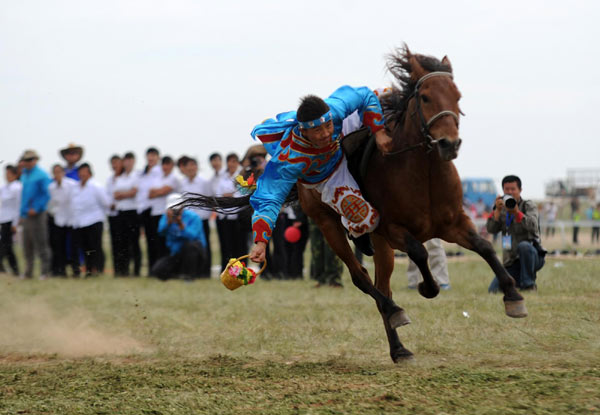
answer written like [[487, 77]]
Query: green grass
[[139, 346]]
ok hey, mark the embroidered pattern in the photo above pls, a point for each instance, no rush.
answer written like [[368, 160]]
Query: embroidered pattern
[[373, 120], [312, 165], [261, 230], [358, 216], [340, 190], [354, 208], [270, 138]]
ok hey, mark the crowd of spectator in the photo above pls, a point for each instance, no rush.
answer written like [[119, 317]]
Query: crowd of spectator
[[63, 213]]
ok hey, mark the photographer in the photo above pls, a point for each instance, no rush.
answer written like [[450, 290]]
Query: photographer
[[186, 242], [517, 219]]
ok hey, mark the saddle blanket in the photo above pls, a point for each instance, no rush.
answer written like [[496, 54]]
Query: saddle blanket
[[341, 192]]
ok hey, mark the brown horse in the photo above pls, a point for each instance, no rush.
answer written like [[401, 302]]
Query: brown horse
[[415, 188]]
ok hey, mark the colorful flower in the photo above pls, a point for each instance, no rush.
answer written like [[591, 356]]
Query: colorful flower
[[234, 270]]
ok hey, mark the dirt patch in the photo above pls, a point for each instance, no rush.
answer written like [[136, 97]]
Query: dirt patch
[[35, 328]]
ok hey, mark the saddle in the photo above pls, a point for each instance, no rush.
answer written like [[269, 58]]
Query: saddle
[[358, 147]]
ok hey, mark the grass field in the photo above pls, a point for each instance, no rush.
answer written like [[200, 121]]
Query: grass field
[[125, 346]]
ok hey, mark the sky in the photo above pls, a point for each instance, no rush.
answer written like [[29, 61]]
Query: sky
[[193, 77]]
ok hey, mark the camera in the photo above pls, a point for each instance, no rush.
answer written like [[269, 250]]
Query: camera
[[254, 162], [176, 212], [509, 201]]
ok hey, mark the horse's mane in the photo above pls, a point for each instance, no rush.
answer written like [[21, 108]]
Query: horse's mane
[[398, 64]]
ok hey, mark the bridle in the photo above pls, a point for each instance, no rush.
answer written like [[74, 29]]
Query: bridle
[[425, 125]]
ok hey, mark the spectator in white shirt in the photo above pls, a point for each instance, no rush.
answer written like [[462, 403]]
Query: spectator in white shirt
[[216, 162], [193, 183], [59, 223], [90, 205], [181, 162], [150, 174], [166, 184], [10, 204], [128, 233], [116, 164], [233, 235]]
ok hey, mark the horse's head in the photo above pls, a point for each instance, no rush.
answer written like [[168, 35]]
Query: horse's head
[[436, 104], [428, 98]]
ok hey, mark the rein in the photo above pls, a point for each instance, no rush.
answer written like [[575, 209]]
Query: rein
[[425, 125]]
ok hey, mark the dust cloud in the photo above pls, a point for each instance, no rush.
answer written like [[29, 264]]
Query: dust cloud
[[34, 328]]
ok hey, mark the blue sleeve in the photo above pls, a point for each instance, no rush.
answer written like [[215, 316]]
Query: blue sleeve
[[271, 131], [272, 188], [162, 225], [346, 99], [192, 227]]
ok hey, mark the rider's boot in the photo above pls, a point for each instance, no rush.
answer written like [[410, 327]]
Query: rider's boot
[[363, 243]]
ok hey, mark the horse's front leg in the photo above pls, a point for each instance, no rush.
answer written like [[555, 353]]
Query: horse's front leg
[[400, 238], [384, 265], [465, 234]]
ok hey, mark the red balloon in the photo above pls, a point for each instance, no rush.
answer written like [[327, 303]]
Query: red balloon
[[292, 234]]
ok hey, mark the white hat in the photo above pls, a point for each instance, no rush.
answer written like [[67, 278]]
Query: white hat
[[173, 199]]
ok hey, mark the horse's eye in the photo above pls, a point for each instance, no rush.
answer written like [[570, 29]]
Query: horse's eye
[[425, 98]]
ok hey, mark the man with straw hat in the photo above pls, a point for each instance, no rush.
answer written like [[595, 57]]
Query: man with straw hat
[[72, 155]]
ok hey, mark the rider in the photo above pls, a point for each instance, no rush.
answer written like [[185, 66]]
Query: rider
[[305, 147]]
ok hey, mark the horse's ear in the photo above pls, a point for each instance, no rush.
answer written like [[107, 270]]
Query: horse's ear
[[446, 61], [416, 70]]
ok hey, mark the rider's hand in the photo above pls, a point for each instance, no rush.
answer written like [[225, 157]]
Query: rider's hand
[[384, 141], [258, 252]]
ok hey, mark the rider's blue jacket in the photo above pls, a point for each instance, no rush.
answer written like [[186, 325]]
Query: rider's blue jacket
[[294, 158]]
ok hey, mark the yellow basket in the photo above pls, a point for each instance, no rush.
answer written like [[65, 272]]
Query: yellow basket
[[231, 281]]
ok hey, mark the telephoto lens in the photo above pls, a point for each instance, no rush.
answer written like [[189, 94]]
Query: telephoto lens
[[509, 201]]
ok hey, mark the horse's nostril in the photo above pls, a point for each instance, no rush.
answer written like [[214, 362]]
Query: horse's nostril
[[445, 143]]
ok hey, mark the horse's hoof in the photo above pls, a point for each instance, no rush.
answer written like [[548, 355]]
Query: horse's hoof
[[428, 291], [402, 355], [515, 309], [399, 319]]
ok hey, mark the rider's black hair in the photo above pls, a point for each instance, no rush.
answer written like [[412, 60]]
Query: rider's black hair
[[311, 107]]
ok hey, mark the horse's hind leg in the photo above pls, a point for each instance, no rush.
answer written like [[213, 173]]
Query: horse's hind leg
[[333, 230], [466, 236], [384, 265]]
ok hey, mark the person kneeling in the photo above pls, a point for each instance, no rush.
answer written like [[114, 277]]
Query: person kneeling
[[517, 219], [186, 241]]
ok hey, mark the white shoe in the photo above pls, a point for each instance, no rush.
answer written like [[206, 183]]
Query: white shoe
[[43, 277]]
